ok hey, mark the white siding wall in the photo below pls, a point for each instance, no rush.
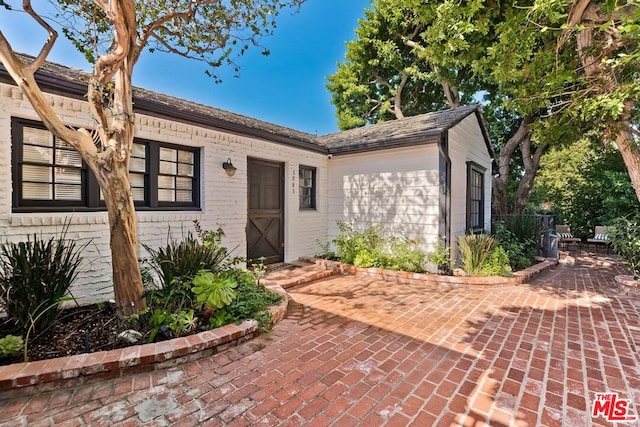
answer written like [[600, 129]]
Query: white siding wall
[[397, 188], [224, 199], [466, 143]]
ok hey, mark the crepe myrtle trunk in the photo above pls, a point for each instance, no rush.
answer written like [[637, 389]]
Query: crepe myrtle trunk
[[127, 281]]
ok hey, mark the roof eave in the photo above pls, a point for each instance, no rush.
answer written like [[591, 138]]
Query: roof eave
[[422, 139], [53, 83]]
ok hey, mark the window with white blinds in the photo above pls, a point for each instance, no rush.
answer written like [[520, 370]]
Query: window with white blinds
[[50, 175], [50, 170]]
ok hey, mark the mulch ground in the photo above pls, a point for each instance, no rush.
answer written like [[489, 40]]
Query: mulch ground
[[76, 330]]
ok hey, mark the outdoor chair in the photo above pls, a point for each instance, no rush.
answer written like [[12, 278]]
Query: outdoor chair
[[565, 238], [600, 238]]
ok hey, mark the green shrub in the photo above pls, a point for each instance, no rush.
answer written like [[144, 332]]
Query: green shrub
[[370, 248], [624, 237], [441, 257], [526, 228], [364, 259], [178, 324], [176, 264], [349, 243], [474, 250], [184, 259], [251, 302], [35, 276], [403, 256], [520, 253], [10, 345], [496, 263]]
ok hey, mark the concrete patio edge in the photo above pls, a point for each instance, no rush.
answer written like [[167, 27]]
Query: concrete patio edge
[[518, 277], [78, 369]]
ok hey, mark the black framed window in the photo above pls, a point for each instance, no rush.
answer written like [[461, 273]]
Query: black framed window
[[475, 197], [138, 174], [46, 171], [49, 175], [176, 176], [307, 178]]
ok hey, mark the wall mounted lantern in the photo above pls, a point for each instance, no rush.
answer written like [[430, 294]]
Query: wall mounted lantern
[[229, 168]]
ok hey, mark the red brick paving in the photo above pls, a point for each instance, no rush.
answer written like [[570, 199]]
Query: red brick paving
[[360, 351]]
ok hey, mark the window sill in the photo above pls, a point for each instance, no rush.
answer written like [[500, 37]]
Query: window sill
[[37, 219]]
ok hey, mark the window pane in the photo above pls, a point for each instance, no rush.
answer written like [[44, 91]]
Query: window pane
[[167, 168], [137, 165], [185, 157], [68, 158], [68, 176], [32, 191], [139, 150], [185, 170], [36, 173], [184, 183], [68, 192], [137, 194], [37, 137], [168, 154], [166, 195], [184, 196], [166, 182], [136, 179], [37, 154]]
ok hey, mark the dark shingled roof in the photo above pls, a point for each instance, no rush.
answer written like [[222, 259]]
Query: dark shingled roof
[[68, 81], [423, 129]]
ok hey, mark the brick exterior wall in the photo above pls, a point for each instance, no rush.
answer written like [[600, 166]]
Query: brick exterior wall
[[223, 198]]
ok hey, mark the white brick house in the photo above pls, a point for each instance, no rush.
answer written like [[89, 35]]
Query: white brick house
[[429, 174]]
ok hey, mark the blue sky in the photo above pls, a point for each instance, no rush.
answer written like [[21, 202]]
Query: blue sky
[[285, 88]]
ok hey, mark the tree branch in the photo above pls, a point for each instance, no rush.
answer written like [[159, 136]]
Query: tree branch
[[507, 151], [121, 21], [397, 98], [23, 75], [51, 39], [150, 30]]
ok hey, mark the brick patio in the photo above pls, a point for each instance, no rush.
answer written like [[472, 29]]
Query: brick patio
[[360, 351]]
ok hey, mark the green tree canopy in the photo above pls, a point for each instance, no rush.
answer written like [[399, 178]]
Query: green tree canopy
[[550, 70], [585, 186]]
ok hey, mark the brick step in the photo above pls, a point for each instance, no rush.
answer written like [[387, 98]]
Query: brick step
[[302, 272]]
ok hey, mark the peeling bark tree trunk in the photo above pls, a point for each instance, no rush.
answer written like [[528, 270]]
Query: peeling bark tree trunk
[[116, 187], [127, 281]]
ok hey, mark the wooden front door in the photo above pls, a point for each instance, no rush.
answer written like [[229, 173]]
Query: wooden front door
[[265, 224]]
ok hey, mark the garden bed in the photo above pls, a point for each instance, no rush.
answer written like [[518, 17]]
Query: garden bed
[[80, 368], [436, 280]]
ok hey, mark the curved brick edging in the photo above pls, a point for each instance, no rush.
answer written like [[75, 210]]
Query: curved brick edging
[[628, 284], [78, 369], [518, 277]]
